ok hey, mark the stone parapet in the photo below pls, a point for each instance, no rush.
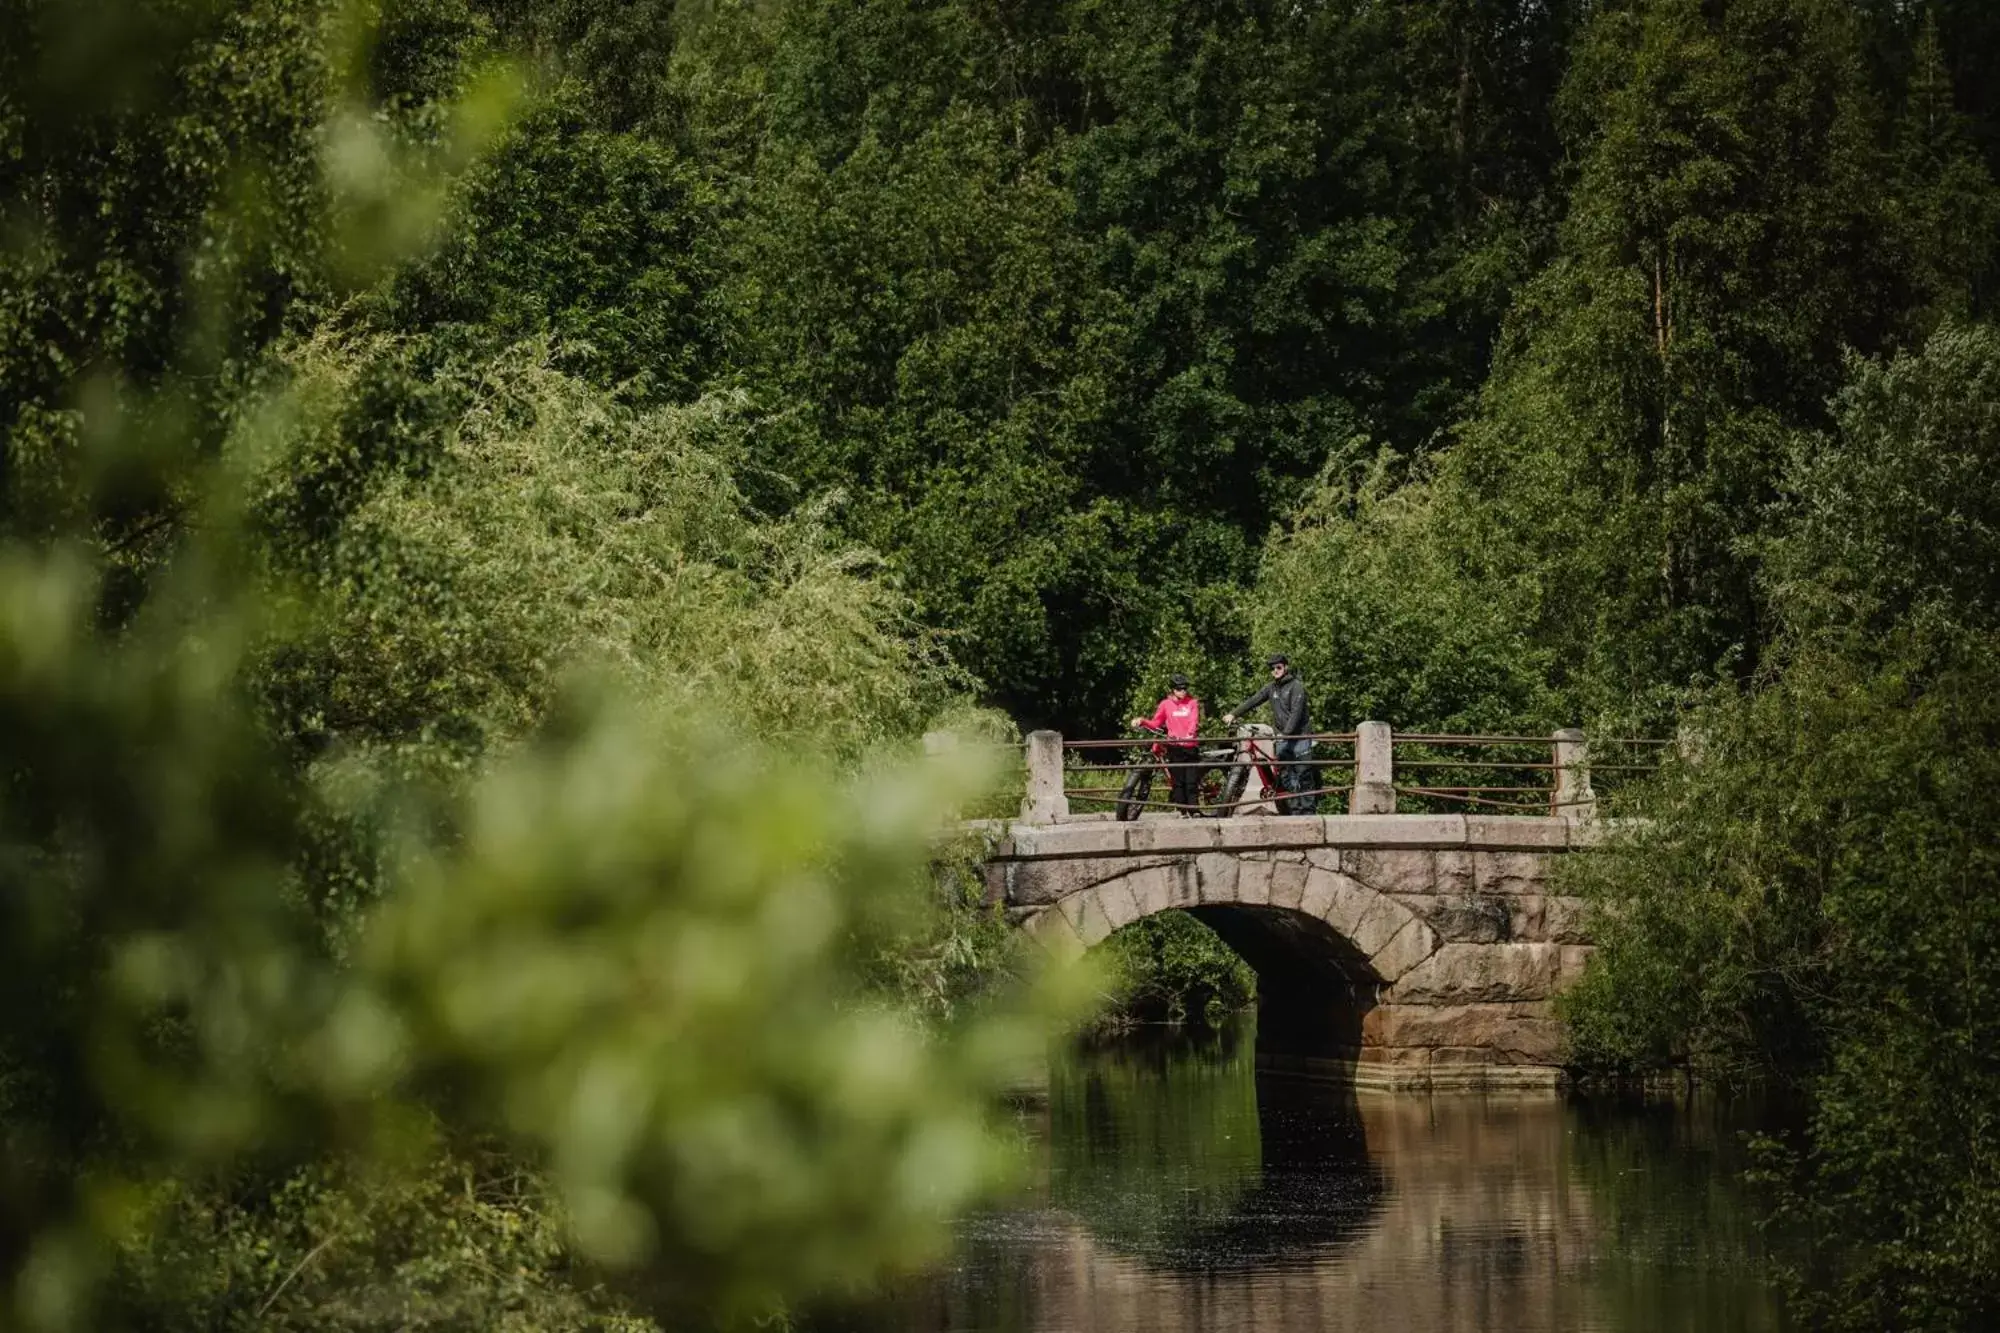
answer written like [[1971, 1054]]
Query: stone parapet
[[1523, 833]]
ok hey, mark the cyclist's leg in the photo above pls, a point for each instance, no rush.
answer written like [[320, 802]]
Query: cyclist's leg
[[1294, 775], [1184, 758]]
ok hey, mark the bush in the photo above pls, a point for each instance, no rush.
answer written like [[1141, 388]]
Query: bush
[[1171, 968], [1818, 897]]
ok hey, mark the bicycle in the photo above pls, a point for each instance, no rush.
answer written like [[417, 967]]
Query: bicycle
[[1254, 756], [1150, 760]]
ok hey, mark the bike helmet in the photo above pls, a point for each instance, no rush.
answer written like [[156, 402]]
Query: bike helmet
[[1179, 681], [1278, 659]]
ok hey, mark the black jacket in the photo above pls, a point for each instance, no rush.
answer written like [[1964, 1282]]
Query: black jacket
[[1288, 704]]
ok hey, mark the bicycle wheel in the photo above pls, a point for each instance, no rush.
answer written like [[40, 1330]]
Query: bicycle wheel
[[1138, 786], [1230, 790]]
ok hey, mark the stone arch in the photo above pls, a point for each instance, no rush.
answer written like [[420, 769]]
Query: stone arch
[[1389, 938], [1326, 946]]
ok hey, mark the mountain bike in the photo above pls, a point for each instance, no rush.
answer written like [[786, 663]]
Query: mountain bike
[[1253, 786], [1150, 760]]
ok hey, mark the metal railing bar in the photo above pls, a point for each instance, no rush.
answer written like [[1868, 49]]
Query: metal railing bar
[[1317, 738], [1206, 766], [1472, 763], [1445, 794], [1429, 738]]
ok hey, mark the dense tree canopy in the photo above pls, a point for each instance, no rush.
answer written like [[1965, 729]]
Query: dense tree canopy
[[418, 408]]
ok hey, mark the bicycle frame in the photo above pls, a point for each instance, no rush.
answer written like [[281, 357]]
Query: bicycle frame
[[1139, 784], [1256, 752]]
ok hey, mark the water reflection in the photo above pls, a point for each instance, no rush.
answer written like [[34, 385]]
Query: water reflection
[[1181, 1190], [1175, 1153]]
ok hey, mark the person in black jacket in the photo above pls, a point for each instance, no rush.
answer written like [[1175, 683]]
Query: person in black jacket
[[1289, 716]]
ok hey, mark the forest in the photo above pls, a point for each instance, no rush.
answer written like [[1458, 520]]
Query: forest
[[492, 493]]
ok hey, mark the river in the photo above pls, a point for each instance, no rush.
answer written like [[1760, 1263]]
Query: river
[[1174, 1187]]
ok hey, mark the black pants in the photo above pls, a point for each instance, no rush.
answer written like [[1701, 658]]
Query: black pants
[[1296, 776], [1187, 774]]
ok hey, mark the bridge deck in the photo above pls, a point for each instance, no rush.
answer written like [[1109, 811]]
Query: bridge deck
[[1018, 841]]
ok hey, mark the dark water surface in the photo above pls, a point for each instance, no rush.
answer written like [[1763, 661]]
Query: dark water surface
[[1176, 1187]]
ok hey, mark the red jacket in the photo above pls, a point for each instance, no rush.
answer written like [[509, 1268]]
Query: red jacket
[[1181, 718]]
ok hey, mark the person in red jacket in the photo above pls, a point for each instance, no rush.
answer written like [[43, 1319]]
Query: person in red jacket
[[1179, 715]]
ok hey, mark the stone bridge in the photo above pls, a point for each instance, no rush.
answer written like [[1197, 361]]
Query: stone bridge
[[1413, 950]]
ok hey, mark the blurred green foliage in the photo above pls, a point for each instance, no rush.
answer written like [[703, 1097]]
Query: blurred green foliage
[[451, 841]]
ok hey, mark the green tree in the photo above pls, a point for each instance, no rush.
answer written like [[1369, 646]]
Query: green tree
[[1731, 231], [1383, 597], [290, 958], [1073, 296], [1814, 896]]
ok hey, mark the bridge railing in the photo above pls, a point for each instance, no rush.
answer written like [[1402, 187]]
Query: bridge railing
[[1380, 772]]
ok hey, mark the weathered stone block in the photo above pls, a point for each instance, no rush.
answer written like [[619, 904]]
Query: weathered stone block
[[1322, 887], [1383, 831], [1253, 881], [1482, 973], [1453, 869], [1152, 889], [1288, 880], [1348, 907], [1468, 920], [1516, 1033], [1393, 1067], [1480, 1066], [1115, 897], [1517, 832], [1509, 872], [1184, 884], [1446, 1075], [1575, 957], [1568, 921], [1380, 922], [1172, 835], [1324, 858], [1215, 877], [1107, 839], [1526, 918], [1086, 914], [1051, 929], [1033, 882], [1289, 831], [1404, 952], [1392, 871], [995, 874]]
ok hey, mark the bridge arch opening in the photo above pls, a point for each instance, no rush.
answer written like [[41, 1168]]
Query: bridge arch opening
[[1327, 947], [1313, 985]]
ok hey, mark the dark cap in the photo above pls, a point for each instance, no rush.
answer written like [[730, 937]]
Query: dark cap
[[1179, 681], [1278, 659]]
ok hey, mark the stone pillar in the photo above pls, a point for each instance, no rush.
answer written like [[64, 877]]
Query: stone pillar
[[1374, 771], [1574, 798], [1044, 801]]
